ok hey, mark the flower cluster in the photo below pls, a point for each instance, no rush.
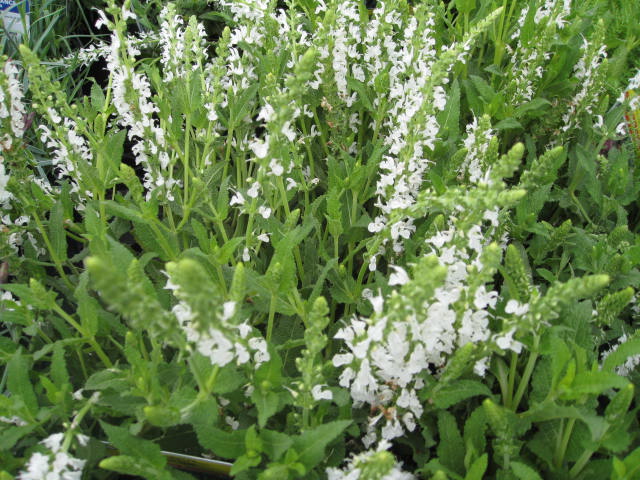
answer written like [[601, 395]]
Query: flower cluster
[[439, 310], [479, 135], [529, 59], [12, 120], [631, 362], [376, 463], [590, 73], [132, 98], [417, 75], [213, 328], [56, 463]]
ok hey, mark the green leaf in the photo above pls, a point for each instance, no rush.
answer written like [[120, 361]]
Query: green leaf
[[112, 150], [18, 381], [311, 444], [478, 468], [275, 444], [474, 430], [97, 97], [57, 235], [224, 444], [537, 106], [129, 465], [451, 447], [107, 379], [459, 390], [239, 105], [486, 91], [508, 124], [524, 472], [619, 404], [594, 383], [117, 210], [88, 307], [465, 7], [229, 379], [138, 448], [267, 404], [363, 94], [201, 235], [59, 372]]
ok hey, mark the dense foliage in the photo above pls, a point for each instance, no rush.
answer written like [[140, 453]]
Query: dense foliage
[[321, 240]]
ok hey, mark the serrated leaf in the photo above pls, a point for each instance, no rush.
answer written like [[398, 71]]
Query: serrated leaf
[[59, 373], [459, 390], [477, 469], [524, 472], [121, 211], [229, 379], [88, 308], [594, 383], [474, 430], [486, 91], [11, 435], [507, 124], [97, 97], [363, 93], [311, 444], [129, 465], [228, 445], [451, 447], [538, 104], [138, 448], [267, 404], [275, 444], [105, 379], [18, 381]]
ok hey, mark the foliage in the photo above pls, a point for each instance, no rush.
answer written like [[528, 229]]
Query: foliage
[[320, 240]]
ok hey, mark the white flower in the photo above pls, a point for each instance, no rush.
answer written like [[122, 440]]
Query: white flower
[[516, 308], [237, 199], [232, 422], [263, 237], [264, 211], [340, 359], [254, 190], [266, 113], [260, 148], [319, 394], [399, 277], [276, 167], [377, 303], [506, 341], [288, 132], [291, 183]]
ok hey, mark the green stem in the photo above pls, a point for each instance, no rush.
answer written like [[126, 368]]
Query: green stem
[[513, 370], [52, 254], [580, 464], [272, 315], [185, 161], [503, 381], [323, 136], [564, 442], [89, 339], [526, 375], [227, 153]]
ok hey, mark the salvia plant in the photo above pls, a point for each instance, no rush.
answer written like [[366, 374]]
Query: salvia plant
[[325, 239]]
